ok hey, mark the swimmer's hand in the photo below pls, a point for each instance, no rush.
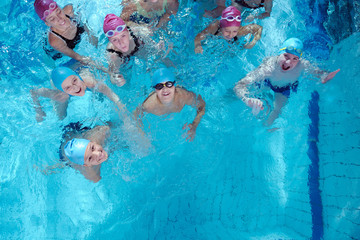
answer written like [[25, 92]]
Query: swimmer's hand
[[250, 44], [117, 79], [330, 76], [199, 49], [191, 132], [86, 61], [40, 115], [249, 18], [255, 104]]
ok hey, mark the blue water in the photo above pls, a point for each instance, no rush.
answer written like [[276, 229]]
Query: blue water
[[235, 181]]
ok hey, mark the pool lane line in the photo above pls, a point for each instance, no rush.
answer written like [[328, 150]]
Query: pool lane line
[[313, 171]]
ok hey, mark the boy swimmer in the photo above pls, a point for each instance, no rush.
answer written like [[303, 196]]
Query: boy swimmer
[[85, 151], [169, 99], [69, 83], [229, 27], [280, 73]]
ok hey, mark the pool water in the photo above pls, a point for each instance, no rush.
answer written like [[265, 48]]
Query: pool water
[[236, 180]]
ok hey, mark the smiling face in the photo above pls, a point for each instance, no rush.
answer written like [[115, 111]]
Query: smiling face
[[57, 19], [121, 41], [166, 95], [72, 85], [229, 32], [94, 154], [288, 61]]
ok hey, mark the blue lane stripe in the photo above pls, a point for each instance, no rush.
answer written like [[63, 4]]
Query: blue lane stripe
[[313, 172]]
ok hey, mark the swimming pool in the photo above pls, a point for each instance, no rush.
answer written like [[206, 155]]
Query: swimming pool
[[235, 181]]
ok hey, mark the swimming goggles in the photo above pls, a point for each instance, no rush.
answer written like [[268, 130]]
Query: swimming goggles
[[232, 18], [118, 29], [52, 7], [168, 84], [290, 49]]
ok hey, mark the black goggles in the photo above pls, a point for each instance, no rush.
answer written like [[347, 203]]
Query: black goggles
[[160, 86]]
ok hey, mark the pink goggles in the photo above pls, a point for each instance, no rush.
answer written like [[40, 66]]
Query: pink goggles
[[232, 18], [52, 7], [118, 29]]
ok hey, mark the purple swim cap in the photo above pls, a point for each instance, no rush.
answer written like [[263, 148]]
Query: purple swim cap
[[111, 22], [44, 8], [230, 17]]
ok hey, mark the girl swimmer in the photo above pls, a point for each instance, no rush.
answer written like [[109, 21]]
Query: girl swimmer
[[229, 27]]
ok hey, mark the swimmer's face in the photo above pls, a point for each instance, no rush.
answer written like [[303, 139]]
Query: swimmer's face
[[72, 85], [166, 95], [288, 61], [94, 154], [57, 19], [229, 32], [121, 41]]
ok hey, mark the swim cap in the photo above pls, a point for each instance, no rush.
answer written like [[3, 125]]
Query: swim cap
[[230, 12], [59, 74], [44, 8], [162, 75], [292, 45], [111, 21], [75, 150]]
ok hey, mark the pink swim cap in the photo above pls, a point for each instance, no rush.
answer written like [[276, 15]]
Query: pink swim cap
[[230, 12], [112, 21], [44, 8]]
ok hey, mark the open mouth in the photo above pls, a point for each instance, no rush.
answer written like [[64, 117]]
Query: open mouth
[[78, 91], [166, 94], [285, 68]]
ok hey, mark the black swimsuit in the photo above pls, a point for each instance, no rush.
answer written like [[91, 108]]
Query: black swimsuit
[[70, 43], [137, 47], [244, 4]]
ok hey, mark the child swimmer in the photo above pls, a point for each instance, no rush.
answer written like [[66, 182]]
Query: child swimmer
[[281, 74]]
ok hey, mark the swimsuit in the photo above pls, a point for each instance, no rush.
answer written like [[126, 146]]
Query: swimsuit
[[142, 16], [244, 4], [70, 43], [126, 58], [285, 90]]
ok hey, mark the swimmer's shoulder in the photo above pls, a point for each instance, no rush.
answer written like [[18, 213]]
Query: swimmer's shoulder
[[69, 10], [184, 94], [149, 102]]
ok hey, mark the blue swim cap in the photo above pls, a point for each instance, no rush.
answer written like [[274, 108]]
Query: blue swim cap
[[292, 45], [59, 74], [75, 150], [162, 75]]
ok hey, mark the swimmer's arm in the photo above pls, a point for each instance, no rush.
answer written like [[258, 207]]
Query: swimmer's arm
[[324, 75], [268, 4], [171, 9], [255, 30], [104, 89], [138, 115], [199, 104], [129, 7], [55, 95], [114, 65], [59, 45], [211, 29], [257, 75]]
